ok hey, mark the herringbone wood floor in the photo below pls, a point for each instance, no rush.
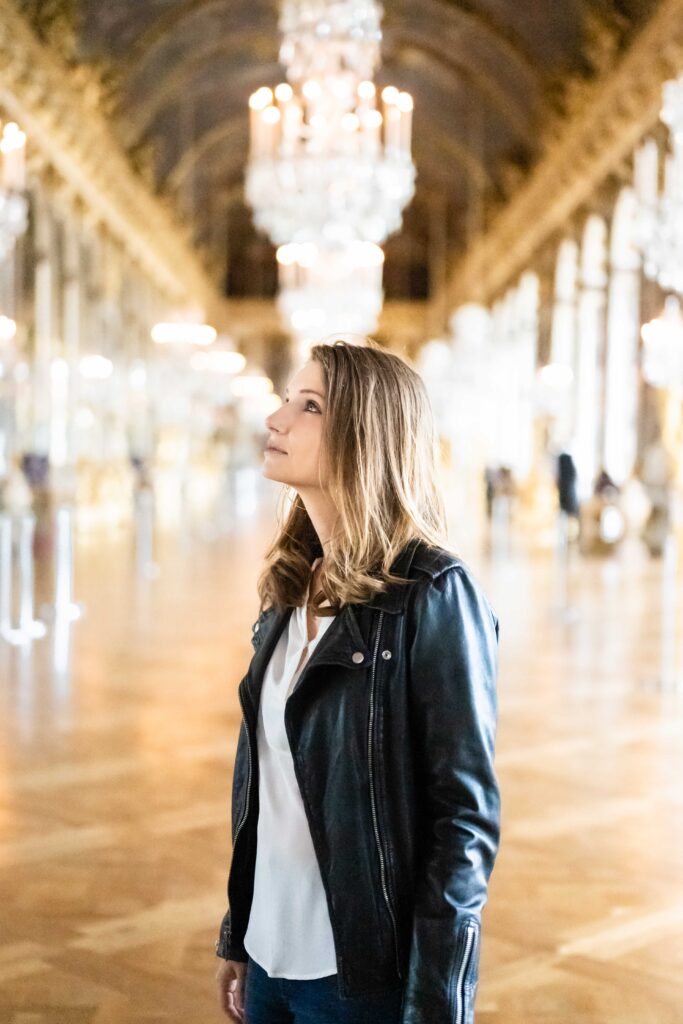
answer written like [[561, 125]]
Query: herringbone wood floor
[[115, 776]]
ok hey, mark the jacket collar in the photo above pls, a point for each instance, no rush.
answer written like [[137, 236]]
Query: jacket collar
[[393, 600], [342, 641]]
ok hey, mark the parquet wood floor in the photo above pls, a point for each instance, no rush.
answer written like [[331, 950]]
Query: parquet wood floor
[[115, 781]]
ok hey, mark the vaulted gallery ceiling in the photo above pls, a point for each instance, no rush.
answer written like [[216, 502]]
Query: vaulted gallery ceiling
[[492, 81]]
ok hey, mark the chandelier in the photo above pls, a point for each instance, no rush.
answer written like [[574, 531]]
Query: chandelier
[[185, 327], [663, 347], [13, 203], [329, 159], [660, 221], [335, 290]]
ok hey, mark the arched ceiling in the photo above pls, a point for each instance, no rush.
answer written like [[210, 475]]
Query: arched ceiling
[[489, 78]]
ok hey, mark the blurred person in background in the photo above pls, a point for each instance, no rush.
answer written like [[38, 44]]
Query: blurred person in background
[[567, 492], [657, 473], [602, 518]]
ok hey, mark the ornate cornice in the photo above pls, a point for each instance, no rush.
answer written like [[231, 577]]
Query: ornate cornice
[[72, 136], [614, 116]]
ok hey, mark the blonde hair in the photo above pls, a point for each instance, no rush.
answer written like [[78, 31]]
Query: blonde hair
[[381, 450]]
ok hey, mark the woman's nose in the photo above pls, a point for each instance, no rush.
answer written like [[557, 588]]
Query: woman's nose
[[272, 421]]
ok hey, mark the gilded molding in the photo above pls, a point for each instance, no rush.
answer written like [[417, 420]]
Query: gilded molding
[[613, 117], [37, 89]]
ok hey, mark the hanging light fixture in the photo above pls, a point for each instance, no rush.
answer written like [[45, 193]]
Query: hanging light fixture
[[92, 367], [329, 160], [660, 221], [184, 327], [663, 347], [13, 202], [8, 328], [331, 290], [183, 333], [218, 361]]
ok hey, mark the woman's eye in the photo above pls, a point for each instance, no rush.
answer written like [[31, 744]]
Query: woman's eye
[[308, 402]]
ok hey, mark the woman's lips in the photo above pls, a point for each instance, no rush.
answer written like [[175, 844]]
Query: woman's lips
[[277, 450]]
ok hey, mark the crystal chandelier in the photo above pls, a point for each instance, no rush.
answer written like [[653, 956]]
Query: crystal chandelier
[[329, 160], [660, 221], [663, 347], [184, 327], [336, 290], [13, 203]]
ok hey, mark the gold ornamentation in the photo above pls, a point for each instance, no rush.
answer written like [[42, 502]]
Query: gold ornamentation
[[55, 22], [612, 116], [59, 106]]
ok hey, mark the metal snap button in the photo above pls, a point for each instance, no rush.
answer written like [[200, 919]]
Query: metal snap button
[[386, 655], [256, 627], [357, 656]]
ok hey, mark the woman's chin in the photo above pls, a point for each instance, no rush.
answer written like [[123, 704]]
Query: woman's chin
[[270, 473]]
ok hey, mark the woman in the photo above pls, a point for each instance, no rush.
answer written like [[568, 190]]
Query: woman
[[365, 806]]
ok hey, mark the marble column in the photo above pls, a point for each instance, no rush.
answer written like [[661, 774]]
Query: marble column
[[73, 319], [45, 324], [563, 339], [526, 346], [591, 340], [620, 431]]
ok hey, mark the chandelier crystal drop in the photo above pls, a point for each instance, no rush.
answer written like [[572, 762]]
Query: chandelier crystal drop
[[329, 160]]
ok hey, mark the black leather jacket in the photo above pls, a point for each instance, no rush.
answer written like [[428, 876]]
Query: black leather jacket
[[391, 725]]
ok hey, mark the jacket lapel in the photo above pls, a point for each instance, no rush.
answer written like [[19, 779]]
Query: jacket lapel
[[341, 641], [337, 646]]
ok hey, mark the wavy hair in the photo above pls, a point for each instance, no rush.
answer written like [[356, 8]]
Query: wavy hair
[[381, 449]]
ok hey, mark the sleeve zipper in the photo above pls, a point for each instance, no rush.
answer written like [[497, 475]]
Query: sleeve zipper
[[470, 935]]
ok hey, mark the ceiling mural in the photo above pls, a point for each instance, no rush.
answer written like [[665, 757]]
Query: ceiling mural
[[492, 81]]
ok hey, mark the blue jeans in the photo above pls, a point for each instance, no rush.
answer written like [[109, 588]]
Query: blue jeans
[[317, 1001]]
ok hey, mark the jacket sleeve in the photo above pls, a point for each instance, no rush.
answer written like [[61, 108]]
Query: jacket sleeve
[[452, 666], [225, 948], [228, 945]]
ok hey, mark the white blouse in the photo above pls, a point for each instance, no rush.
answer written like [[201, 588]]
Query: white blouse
[[289, 931]]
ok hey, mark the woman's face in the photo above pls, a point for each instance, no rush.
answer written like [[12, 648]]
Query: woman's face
[[297, 429]]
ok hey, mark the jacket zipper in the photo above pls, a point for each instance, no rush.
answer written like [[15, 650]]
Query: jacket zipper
[[470, 933], [246, 802], [375, 820]]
